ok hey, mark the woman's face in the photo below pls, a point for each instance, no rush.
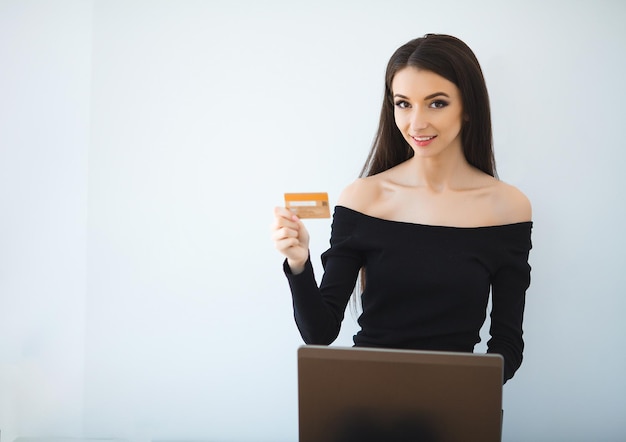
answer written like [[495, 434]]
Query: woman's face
[[428, 111]]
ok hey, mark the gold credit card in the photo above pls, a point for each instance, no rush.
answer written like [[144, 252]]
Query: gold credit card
[[308, 205]]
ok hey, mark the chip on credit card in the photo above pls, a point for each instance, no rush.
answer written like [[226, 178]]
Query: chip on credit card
[[308, 205]]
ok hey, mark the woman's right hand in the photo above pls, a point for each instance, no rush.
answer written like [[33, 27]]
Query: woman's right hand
[[291, 238]]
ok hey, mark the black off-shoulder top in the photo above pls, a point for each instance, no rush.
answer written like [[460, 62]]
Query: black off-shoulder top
[[427, 287]]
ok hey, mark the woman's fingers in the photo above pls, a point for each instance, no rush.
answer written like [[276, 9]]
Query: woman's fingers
[[281, 212], [281, 233], [289, 234]]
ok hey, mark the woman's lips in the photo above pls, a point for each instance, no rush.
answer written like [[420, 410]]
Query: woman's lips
[[424, 141]]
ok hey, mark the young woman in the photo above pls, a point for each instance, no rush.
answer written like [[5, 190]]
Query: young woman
[[428, 225]]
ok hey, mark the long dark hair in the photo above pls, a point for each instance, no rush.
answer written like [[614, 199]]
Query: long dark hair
[[452, 59]]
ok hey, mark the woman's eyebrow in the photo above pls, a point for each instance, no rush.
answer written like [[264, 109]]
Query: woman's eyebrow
[[436, 94], [428, 97]]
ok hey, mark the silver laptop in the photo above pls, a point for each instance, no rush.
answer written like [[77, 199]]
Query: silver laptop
[[363, 394]]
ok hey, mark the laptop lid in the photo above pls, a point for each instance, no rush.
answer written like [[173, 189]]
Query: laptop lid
[[364, 394]]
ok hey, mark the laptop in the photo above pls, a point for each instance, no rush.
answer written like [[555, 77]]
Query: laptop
[[348, 394]]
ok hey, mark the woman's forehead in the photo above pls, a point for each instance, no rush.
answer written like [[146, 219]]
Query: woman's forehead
[[415, 82]]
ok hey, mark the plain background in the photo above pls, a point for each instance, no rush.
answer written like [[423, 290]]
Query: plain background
[[144, 144]]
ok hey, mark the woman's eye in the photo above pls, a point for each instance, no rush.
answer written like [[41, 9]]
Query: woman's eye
[[402, 104], [438, 104]]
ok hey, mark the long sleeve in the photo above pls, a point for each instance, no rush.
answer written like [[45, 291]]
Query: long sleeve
[[509, 286], [319, 311]]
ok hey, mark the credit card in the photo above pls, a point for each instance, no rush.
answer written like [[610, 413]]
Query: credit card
[[308, 205]]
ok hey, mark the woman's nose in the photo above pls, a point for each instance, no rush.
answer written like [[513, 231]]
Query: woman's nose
[[418, 121]]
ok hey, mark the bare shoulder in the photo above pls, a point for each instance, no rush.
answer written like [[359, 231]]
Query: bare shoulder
[[511, 205], [359, 194]]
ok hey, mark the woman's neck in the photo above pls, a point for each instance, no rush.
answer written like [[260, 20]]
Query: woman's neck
[[443, 172]]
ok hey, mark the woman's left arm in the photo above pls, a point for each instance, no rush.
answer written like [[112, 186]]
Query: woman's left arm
[[508, 300]]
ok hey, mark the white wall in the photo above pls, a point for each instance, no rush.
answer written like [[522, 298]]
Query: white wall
[[138, 281], [45, 68]]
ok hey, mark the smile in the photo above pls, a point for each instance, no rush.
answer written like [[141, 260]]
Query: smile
[[423, 141]]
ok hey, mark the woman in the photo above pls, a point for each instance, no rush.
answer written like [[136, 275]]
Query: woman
[[428, 223]]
